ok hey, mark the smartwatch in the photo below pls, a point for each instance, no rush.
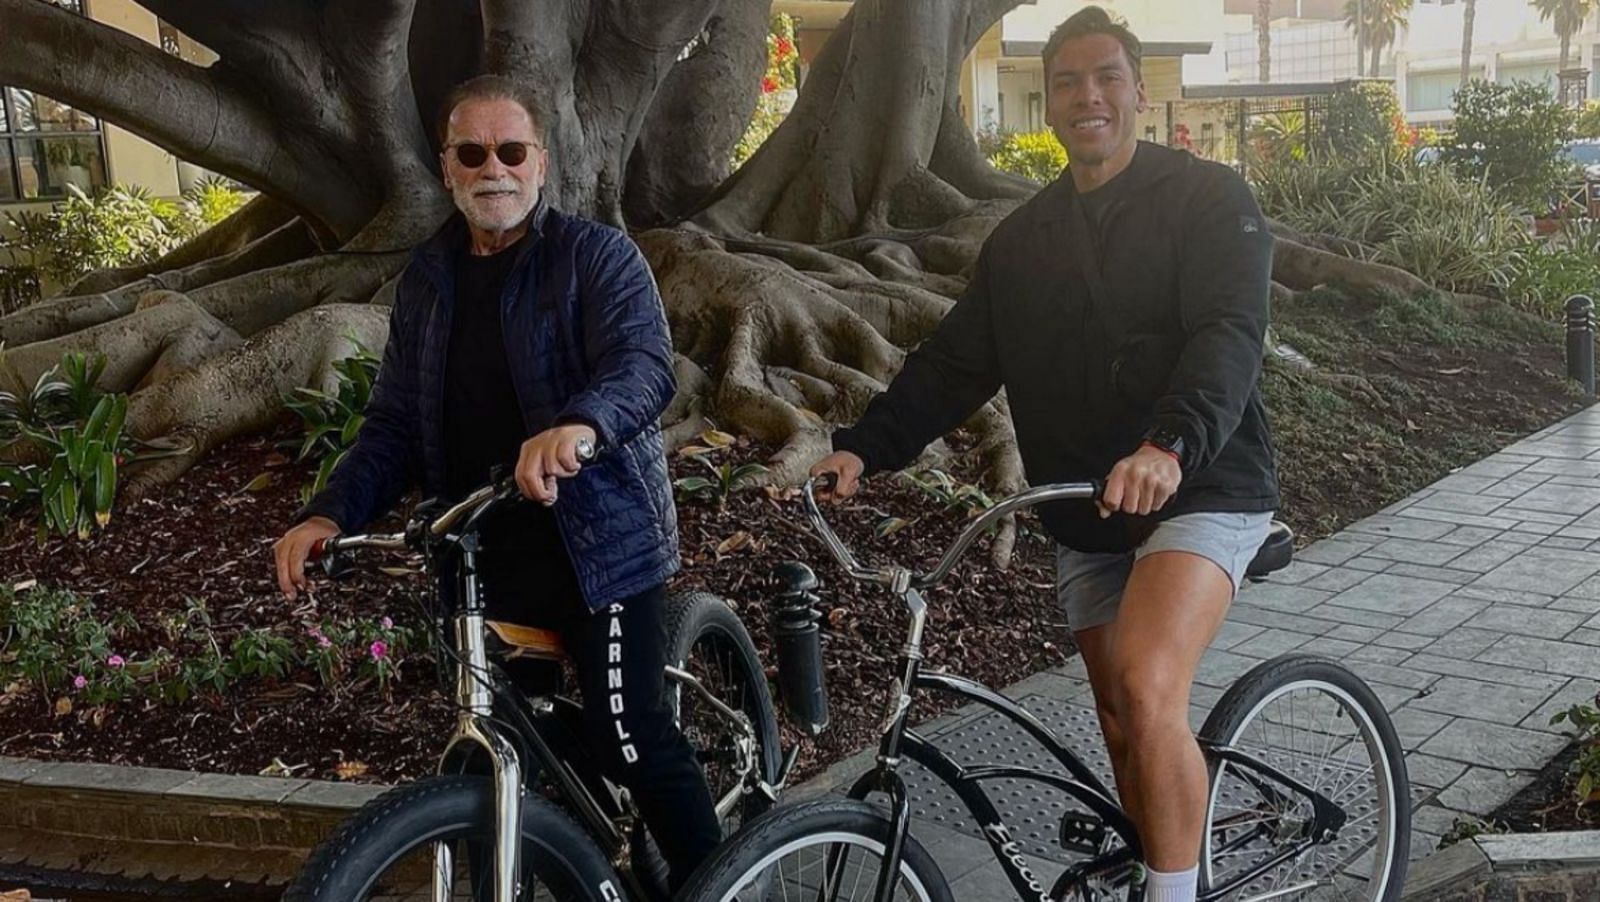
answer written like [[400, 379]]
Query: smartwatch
[[1169, 440]]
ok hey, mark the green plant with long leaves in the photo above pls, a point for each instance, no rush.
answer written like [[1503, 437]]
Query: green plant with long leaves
[[64, 445], [723, 481], [333, 420], [1451, 231]]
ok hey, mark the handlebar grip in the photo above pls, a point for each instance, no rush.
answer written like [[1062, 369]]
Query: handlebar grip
[[827, 481]]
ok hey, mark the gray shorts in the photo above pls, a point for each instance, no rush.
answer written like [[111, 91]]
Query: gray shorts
[[1089, 585]]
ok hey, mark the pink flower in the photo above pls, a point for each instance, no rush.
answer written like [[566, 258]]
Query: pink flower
[[387, 623], [323, 641], [115, 661], [79, 682], [379, 650]]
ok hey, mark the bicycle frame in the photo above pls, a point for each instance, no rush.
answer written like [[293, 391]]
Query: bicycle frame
[[505, 736], [967, 782]]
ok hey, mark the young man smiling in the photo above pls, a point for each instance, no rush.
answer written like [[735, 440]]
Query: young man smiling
[[1123, 310]]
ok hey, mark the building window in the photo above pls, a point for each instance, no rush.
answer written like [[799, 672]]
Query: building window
[[1434, 90], [46, 145]]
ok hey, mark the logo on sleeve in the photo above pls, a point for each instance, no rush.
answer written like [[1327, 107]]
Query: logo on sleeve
[[1249, 225]]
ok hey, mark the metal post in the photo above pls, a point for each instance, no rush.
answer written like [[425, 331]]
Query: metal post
[[1580, 341]]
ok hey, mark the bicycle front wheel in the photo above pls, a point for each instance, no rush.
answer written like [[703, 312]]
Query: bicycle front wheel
[[831, 849], [439, 831], [1317, 723]]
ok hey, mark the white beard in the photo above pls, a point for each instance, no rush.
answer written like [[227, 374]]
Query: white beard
[[500, 215]]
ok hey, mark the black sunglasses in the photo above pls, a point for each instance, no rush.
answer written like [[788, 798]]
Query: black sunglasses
[[511, 153]]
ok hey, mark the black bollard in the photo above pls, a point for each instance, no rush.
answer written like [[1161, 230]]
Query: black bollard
[[795, 630], [1580, 341]]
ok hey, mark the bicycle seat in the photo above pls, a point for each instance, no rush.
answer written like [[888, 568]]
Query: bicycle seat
[[1275, 553], [517, 641]]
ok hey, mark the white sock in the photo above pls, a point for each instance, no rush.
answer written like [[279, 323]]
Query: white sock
[[1171, 886]]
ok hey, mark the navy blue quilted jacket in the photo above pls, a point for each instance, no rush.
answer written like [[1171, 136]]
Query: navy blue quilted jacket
[[587, 341]]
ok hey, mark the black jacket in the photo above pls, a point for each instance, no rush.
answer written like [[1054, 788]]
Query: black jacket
[[1176, 341]]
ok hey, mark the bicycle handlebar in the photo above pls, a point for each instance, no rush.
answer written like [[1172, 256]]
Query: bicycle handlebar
[[468, 510], [888, 576]]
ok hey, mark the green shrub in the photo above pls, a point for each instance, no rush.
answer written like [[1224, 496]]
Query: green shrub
[[1587, 124], [1453, 232], [332, 421], [1548, 273], [1510, 136], [1363, 117], [120, 226], [1032, 155]]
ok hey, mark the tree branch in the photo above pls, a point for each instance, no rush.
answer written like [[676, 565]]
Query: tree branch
[[114, 75]]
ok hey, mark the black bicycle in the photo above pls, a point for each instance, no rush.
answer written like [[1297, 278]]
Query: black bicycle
[[1308, 794], [519, 810]]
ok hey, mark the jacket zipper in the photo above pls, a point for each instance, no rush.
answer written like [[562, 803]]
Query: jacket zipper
[[512, 287]]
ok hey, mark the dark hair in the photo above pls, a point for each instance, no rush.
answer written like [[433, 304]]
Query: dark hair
[[489, 87], [1094, 20]]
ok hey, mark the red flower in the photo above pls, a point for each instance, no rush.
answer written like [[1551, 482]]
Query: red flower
[[768, 85], [785, 48]]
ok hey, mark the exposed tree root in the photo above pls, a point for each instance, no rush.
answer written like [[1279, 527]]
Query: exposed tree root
[[242, 391]]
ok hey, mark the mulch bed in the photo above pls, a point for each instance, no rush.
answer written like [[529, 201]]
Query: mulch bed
[[207, 537]]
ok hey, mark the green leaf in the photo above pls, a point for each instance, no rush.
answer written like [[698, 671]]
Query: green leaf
[[105, 489], [694, 485], [351, 427], [119, 415], [97, 419], [69, 505], [889, 526]]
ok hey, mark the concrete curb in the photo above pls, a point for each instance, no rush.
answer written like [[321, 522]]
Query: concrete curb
[[1543, 866], [141, 823]]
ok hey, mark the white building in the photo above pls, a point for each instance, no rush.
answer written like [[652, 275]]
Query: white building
[[1310, 43]]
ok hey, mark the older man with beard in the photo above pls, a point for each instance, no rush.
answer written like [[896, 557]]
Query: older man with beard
[[519, 336]]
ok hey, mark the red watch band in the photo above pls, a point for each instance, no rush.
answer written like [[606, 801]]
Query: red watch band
[[1167, 451]]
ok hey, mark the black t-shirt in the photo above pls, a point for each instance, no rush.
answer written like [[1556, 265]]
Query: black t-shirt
[[522, 545], [1098, 202]]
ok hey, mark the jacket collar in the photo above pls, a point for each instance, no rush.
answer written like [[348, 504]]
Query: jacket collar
[[1151, 164], [438, 254]]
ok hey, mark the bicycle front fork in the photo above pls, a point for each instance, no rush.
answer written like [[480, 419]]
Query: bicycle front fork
[[473, 728]]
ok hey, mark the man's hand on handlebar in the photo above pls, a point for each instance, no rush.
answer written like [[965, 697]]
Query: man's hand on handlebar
[[552, 454], [845, 468], [294, 549], [1141, 483]]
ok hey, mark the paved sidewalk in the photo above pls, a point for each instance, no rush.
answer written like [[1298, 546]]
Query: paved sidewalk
[[1471, 607]]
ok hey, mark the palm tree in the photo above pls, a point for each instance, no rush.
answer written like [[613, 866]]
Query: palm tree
[[1263, 19], [1567, 16], [1468, 14], [1377, 23]]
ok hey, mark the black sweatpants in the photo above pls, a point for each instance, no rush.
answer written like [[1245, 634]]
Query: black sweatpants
[[620, 656]]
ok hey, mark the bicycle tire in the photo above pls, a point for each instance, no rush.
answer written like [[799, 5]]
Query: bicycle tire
[[404, 821], [1274, 679], [747, 859]]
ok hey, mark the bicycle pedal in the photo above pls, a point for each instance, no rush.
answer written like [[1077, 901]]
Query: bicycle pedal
[[1082, 833]]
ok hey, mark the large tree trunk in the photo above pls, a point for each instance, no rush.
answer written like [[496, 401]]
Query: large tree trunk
[[794, 286]]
